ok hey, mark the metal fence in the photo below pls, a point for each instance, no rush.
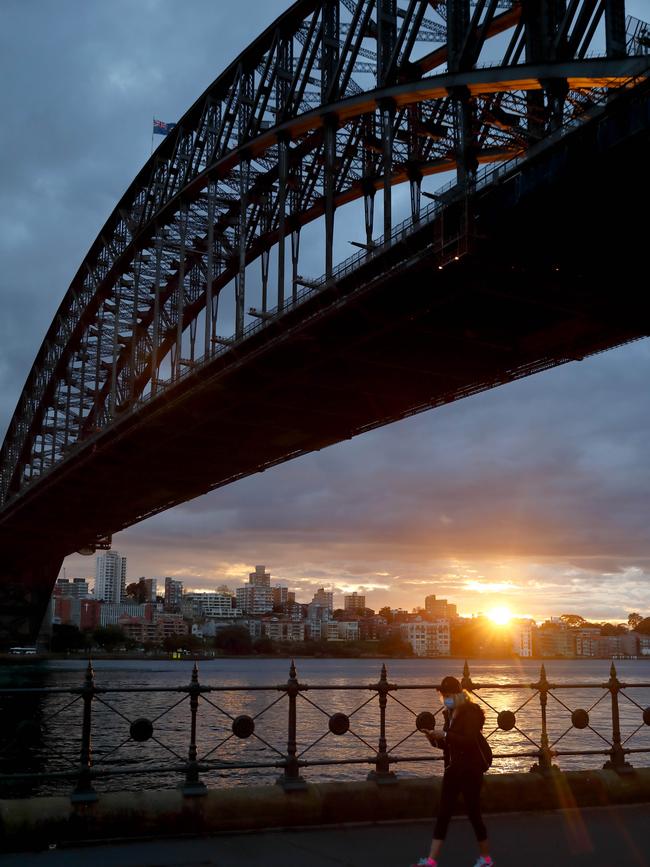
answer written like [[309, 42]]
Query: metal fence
[[209, 728]]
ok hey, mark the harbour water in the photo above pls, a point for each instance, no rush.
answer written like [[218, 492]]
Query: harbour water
[[54, 743]]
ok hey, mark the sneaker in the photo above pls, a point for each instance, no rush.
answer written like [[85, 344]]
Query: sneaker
[[425, 862], [484, 861]]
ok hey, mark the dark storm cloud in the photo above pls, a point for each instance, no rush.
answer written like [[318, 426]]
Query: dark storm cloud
[[540, 488]]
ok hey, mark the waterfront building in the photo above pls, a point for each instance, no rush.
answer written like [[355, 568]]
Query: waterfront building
[[522, 631], [556, 640], [588, 641], [283, 629], [428, 638], [152, 625], [110, 577], [354, 602], [173, 594], [439, 608]]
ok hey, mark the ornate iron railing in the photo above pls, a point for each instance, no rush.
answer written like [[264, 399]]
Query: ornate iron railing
[[290, 758]]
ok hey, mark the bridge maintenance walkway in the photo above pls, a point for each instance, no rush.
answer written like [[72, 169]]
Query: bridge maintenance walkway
[[596, 837]]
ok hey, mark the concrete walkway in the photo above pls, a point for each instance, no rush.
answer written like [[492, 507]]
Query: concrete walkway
[[597, 837]]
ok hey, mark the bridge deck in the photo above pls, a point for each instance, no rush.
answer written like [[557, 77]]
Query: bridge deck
[[595, 837]]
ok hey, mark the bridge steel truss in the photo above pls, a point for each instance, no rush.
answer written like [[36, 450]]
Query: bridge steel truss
[[337, 100]]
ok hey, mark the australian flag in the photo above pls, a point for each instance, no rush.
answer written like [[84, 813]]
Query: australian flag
[[162, 128]]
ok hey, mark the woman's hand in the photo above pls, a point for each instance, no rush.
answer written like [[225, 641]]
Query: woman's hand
[[436, 739]]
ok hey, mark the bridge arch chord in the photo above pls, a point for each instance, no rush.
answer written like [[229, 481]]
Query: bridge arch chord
[[336, 100]]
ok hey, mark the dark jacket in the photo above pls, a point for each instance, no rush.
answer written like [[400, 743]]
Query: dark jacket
[[461, 743]]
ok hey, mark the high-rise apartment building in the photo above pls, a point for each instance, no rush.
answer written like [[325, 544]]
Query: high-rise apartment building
[[439, 608], [354, 602], [325, 598], [260, 577], [173, 593], [110, 577], [280, 595], [254, 599]]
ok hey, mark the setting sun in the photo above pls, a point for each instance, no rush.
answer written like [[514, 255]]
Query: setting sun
[[501, 615]]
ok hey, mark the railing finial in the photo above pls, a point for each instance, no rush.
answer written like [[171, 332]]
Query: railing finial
[[292, 670]]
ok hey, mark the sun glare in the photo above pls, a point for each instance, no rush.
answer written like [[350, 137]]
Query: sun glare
[[501, 615]]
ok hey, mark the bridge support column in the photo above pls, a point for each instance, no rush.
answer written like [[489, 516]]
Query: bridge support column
[[25, 590], [387, 121], [615, 28], [283, 157], [330, 180]]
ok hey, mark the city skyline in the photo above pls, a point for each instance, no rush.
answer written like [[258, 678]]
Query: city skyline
[[533, 496], [310, 589]]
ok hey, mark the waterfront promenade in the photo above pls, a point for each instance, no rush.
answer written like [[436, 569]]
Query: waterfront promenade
[[598, 837]]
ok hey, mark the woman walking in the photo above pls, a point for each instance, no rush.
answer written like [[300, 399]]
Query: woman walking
[[467, 756]]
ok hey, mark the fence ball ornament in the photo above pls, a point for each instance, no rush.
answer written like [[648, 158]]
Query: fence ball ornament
[[339, 723], [580, 719], [425, 720], [243, 726], [506, 720], [141, 730]]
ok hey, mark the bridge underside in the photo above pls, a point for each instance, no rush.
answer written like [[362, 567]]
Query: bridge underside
[[548, 273]]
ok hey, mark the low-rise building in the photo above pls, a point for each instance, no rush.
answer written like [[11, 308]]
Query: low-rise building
[[205, 603], [283, 629], [373, 628], [428, 638]]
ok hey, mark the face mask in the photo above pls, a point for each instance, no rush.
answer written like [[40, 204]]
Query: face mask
[[450, 702]]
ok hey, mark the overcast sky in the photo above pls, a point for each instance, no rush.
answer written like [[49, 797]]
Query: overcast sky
[[534, 495]]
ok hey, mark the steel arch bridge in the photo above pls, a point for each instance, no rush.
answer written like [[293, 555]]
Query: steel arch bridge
[[336, 101]]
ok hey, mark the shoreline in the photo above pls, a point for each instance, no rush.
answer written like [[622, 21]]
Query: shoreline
[[191, 657]]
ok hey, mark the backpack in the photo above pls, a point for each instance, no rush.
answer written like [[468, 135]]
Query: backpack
[[485, 751]]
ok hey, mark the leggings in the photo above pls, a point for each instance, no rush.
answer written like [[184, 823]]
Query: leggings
[[455, 781]]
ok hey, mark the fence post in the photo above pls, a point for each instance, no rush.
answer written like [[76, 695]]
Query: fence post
[[545, 757], [616, 760], [193, 785], [382, 773], [466, 680], [84, 791], [291, 780]]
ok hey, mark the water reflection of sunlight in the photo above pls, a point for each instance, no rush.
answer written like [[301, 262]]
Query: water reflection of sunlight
[[517, 746]]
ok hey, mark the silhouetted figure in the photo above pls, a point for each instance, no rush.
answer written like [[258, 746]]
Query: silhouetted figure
[[467, 756]]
